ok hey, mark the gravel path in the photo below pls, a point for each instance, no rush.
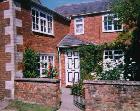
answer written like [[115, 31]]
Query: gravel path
[[67, 101]]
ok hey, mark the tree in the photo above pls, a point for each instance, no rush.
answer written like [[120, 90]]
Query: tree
[[129, 13]]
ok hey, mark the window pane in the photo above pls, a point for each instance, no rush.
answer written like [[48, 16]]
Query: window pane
[[33, 12], [33, 26], [79, 20], [79, 28], [49, 24], [42, 15], [109, 27]]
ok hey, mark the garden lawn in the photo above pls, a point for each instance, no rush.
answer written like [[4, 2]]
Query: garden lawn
[[20, 106]]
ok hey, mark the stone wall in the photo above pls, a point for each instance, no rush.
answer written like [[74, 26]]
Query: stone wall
[[41, 91], [7, 51], [112, 96]]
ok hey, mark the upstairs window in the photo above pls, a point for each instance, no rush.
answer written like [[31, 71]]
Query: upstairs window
[[111, 23], [42, 22], [79, 25]]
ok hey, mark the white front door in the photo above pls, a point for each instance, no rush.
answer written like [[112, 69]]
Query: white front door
[[72, 67]]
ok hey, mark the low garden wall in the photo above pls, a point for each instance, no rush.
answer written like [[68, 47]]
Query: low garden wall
[[112, 96], [41, 91]]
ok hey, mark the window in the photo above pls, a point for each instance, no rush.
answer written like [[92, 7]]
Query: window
[[111, 23], [113, 54], [42, 22], [45, 61], [79, 25], [112, 59]]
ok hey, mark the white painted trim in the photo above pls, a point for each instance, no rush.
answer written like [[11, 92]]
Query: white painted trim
[[75, 15], [75, 23], [72, 70], [66, 79], [47, 54], [60, 68], [103, 29], [39, 30]]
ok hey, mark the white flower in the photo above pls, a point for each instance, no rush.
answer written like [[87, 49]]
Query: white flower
[[127, 79], [133, 62], [129, 75]]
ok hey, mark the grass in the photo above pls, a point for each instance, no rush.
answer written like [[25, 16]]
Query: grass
[[21, 106]]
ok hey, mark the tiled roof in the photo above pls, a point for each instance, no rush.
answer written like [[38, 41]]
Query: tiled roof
[[37, 1], [84, 8], [71, 41]]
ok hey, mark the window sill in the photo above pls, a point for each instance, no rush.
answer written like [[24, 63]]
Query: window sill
[[79, 33], [112, 31], [42, 33]]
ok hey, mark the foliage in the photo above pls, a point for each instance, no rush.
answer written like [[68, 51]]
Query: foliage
[[51, 72], [20, 106], [113, 74], [127, 11], [90, 58], [132, 57], [30, 61], [91, 62], [77, 89]]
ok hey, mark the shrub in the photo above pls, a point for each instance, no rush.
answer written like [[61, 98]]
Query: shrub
[[30, 61]]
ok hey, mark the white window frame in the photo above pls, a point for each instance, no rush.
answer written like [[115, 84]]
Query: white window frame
[[77, 23], [113, 30], [113, 54], [39, 24], [45, 61], [113, 57]]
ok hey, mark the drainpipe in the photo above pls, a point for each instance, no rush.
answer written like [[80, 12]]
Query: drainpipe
[[59, 62]]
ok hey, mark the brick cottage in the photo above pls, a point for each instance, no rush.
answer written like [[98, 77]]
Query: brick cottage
[[54, 34]]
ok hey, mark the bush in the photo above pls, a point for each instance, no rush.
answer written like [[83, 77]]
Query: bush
[[77, 89], [113, 74], [30, 61]]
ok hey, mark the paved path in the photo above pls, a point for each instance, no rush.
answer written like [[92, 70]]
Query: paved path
[[3, 104], [67, 101]]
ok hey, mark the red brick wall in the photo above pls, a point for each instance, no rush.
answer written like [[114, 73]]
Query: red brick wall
[[93, 30], [42, 43], [63, 72], [41, 91], [4, 57], [112, 96]]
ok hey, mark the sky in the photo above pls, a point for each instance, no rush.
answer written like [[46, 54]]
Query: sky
[[55, 3]]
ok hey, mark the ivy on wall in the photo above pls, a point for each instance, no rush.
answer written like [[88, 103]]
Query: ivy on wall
[[91, 60]]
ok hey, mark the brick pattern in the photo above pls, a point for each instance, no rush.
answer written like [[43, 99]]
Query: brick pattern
[[5, 56], [41, 91], [112, 96], [63, 71], [93, 30], [42, 43]]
